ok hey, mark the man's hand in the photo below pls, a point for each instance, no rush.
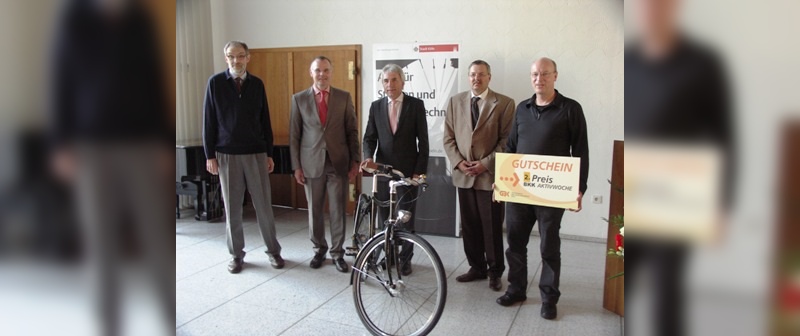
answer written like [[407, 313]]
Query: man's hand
[[580, 198], [471, 168], [477, 168], [212, 166], [270, 164], [63, 164], [354, 169], [299, 177], [363, 164], [493, 191], [463, 166]]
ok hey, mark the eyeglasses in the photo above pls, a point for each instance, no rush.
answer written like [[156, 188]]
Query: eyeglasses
[[542, 75], [239, 57]]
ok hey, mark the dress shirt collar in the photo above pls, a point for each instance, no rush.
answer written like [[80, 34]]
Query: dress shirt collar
[[317, 91], [399, 100], [556, 101], [482, 95], [243, 76]]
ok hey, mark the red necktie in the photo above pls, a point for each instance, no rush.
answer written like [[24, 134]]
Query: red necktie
[[322, 106], [238, 81]]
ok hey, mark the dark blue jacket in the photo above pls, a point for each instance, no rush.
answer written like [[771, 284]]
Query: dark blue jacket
[[236, 123]]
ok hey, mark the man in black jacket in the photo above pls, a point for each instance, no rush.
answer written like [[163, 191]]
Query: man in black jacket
[[237, 136], [397, 134], [546, 124]]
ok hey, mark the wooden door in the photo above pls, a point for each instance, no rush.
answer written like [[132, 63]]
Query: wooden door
[[285, 71]]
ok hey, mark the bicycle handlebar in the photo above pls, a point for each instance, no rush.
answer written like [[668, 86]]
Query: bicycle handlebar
[[386, 170]]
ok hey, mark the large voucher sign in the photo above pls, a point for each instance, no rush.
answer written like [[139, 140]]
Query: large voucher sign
[[545, 180]]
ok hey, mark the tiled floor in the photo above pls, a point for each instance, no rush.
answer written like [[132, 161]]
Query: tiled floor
[[298, 300]]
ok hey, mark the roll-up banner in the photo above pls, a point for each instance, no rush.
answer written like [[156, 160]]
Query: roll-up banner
[[431, 74]]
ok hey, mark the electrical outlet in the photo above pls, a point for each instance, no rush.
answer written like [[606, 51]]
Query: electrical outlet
[[597, 199]]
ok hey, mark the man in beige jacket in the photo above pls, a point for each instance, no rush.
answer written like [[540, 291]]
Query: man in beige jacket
[[477, 125]]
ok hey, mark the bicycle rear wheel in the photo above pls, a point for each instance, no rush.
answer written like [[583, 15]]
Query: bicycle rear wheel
[[390, 304]]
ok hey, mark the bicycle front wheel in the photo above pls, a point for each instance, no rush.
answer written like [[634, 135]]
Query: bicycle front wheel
[[391, 304], [363, 221]]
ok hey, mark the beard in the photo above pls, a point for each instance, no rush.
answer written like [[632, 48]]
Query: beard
[[235, 71]]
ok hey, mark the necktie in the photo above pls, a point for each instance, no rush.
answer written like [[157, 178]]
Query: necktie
[[238, 81], [393, 116], [323, 108], [475, 112]]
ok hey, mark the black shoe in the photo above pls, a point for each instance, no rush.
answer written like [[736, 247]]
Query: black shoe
[[276, 261], [406, 268], [316, 262], [495, 284], [469, 276], [510, 299], [341, 265], [549, 311], [235, 266]]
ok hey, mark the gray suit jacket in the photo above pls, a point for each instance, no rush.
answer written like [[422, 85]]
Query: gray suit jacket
[[309, 140], [489, 136]]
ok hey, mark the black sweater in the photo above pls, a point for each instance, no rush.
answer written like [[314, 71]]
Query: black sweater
[[236, 123], [557, 129]]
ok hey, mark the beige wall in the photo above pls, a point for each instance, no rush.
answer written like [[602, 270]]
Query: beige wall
[[584, 37]]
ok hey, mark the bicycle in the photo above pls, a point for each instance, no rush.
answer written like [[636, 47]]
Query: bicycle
[[387, 302]]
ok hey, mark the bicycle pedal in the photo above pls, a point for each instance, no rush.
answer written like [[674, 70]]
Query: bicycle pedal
[[350, 251]]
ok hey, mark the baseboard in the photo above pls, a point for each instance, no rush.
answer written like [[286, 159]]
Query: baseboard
[[576, 237]]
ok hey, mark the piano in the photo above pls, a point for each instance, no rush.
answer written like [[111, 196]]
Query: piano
[[193, 179]]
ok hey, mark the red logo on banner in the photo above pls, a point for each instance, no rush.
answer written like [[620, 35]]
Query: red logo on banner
[[438, 48]]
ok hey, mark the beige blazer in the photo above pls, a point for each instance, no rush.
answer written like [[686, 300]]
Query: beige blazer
[[309, 139], [490, 135]]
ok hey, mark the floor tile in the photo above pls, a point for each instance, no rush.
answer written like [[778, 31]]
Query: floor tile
[[298, 300]]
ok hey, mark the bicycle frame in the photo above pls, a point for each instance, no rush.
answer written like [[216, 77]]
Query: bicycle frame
[[389, 225]]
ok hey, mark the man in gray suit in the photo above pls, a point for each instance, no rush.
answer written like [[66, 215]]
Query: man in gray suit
[[477, 124], [397, 134], [323, 141]]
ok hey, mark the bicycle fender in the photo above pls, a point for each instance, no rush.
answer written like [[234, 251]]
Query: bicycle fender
[[375, 237]]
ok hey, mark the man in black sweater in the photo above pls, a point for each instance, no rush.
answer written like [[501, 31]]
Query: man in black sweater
[[546, 124], [237, 136]]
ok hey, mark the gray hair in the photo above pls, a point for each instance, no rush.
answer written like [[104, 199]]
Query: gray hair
[[555, 66], [396, 69], [236, 44], [481, 62]]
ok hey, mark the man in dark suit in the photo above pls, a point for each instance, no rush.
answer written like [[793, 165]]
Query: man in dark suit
[[477, 125], [323, 141], [397, 134]]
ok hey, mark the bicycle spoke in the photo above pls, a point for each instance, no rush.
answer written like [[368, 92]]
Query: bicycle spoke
[[413, 303]]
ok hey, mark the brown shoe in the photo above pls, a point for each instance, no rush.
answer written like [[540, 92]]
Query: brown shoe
[[276, 261], [469, 276], [495, 284], [235, 266]]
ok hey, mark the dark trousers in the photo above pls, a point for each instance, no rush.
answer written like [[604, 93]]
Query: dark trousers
[[408, 194], [520, 219], [482, 230], [666, 263]]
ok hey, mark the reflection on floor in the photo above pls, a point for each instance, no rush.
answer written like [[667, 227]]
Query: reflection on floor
[[298, 300]]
